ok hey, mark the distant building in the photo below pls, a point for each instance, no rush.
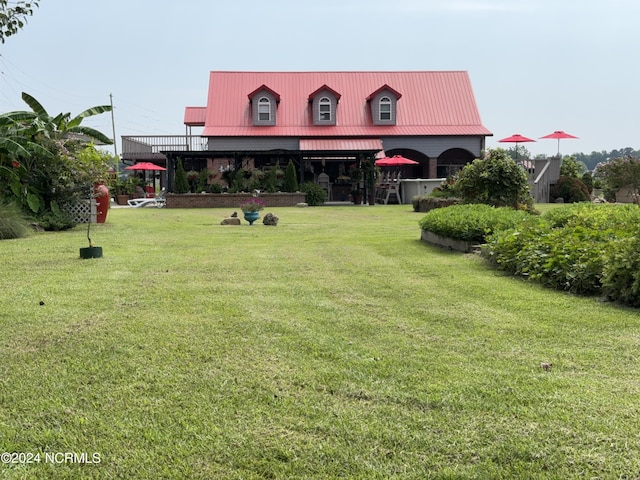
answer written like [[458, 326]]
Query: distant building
[[324, 122]]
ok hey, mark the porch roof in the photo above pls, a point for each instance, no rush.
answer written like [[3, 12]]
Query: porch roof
[[340, 144]]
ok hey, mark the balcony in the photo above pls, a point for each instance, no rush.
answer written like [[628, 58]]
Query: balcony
[[149, 147]]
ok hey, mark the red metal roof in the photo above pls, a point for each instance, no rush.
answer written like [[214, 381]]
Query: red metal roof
[[195, 116], [433, 103]]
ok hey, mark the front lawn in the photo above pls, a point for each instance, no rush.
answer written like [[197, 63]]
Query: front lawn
[[336, 344]]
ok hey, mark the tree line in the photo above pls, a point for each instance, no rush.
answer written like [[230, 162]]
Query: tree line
[[590, 160]]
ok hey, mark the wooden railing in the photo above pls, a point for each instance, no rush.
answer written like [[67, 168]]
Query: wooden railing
[[149, 147], [541, 184]]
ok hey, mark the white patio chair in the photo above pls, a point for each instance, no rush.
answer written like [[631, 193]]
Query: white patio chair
[[157, 201]]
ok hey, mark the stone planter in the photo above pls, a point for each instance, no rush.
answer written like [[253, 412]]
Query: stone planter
[[251, 217]]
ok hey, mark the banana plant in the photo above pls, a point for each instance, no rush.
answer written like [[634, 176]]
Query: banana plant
[[62, 126], [24, 155]]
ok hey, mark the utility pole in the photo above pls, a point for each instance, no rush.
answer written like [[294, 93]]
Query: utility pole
[[115, 145]]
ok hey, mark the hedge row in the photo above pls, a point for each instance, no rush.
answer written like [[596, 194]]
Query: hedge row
[[471, 222], [582, 248]]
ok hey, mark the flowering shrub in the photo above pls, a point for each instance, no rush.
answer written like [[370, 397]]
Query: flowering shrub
[[494, 180], [254, 204], [617, 173]]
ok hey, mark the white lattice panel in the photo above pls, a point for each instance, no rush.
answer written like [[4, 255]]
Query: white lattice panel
[[83, 211]]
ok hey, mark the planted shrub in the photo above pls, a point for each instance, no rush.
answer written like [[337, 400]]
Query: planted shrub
[[215, 188], [587, 179], [621, 217], [270, 181], [494, 180], [181, 181], [314, 193], [584, 249], [571, 167], [13, 224], [426, 203], [470, 222], [570, 189], [568, 259], [621, 275], [56, 220], [290, 178]]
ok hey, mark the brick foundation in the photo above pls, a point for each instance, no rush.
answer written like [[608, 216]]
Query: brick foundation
[[230, 200]]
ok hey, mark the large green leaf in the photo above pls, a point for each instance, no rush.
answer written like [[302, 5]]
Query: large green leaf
[[35, 105], [34, 202], [16, 187], [90, 112], [12, 147], [92, 133]]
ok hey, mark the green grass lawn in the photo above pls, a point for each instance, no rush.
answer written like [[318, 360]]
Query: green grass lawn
[[335, 345]]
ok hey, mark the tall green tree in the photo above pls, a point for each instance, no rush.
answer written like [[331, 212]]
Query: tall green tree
[[571, 167], [13, 16], [495, 180], [618, 173], [290, 178], [181, 184]]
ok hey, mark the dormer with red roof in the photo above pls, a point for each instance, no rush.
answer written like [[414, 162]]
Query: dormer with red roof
[[383, 105], [264, 106], [324, 106]]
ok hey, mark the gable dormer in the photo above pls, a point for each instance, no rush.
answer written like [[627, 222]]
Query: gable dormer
[[324, 106], [383, 105], [264, 106]]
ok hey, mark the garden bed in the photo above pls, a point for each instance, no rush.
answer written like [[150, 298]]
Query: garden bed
[[231, 200]]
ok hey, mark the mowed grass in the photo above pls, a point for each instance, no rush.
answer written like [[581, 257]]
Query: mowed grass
[[335, 345]]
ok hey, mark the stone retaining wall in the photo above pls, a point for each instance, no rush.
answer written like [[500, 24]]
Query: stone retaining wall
[[446, 242], [230, 200]]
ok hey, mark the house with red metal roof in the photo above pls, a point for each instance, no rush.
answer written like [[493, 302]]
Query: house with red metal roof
[[326, 121]]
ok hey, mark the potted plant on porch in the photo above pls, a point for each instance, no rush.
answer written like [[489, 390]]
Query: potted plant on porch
[[356, 196], [123, 189]]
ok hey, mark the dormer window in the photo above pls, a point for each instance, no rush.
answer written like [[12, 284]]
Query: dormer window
[[324, 104], [264, 106], [264, 109], [324, 107], [383, 105], [385, 109]]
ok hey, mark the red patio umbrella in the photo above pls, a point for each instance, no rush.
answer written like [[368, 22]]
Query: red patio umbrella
[[144, 166], [395, 161], [558, 134], [516, 138]]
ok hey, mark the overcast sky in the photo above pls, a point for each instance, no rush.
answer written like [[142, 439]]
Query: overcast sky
[[535, 65]]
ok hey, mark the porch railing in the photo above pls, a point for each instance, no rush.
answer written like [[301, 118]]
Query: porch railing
[[541, 184], [149, 147]]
